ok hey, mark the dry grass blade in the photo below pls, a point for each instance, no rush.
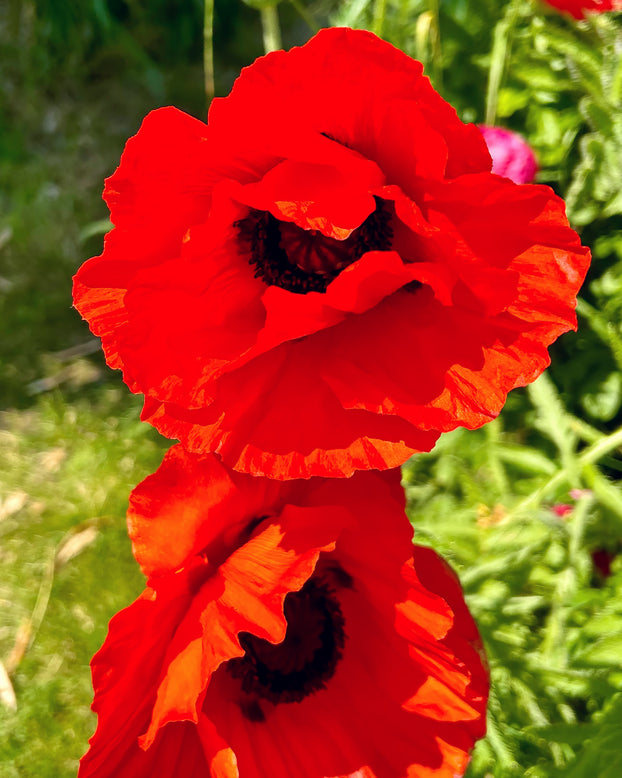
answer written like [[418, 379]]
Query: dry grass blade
[[13, 503], [74, 544], [7, 695]]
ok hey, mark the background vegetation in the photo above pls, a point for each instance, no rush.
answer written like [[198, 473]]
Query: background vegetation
[[528, 510]]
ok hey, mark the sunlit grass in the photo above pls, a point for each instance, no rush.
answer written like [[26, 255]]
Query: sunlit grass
[[66, 473]]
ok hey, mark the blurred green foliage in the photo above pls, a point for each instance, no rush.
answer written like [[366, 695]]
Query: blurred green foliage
[[525, 509]]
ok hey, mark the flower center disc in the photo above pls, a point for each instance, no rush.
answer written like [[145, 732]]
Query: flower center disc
[[304, 261], [307, 657]]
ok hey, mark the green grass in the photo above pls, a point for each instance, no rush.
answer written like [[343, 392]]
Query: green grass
[[71, 467]]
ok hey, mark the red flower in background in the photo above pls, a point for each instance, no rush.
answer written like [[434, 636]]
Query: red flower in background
[[284, 641], [327, 276], [580, 8]]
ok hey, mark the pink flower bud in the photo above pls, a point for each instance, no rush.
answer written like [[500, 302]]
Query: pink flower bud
[[511, 156]]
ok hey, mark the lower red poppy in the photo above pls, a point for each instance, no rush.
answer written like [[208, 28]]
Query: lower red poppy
[[321, 644]]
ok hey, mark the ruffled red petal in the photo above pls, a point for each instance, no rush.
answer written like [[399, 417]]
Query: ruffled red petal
[[124, 672], [375, 83], [188, 623], [579, 9], [247, 421], [191, 505], [408, 692], [409, 695], [453, 286]]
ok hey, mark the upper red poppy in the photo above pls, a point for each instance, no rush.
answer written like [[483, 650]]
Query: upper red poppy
[[276, 639], [579, 9], [327, 276]]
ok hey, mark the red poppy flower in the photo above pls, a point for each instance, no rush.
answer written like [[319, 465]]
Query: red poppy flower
[[304, 637], [327, 276], [579, 9]]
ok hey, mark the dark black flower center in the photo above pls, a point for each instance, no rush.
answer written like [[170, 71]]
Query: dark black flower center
[[304, 261], [307, 657]]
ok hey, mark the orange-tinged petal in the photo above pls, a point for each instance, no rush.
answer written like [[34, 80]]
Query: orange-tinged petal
[[333, 287], [245, 594]]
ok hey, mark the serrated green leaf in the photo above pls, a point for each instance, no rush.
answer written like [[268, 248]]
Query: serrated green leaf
[[605, 652], [601, 756], [572, 734]]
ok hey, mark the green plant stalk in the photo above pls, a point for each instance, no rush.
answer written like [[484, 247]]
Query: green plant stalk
[[423, 28], [437, 63], [271, 29], [501, 45], [588, 457], [615, 90], [606, 492], [493, 438], [555, 423], [304, 14], [554, 643], [504, 756], [606, 330], [380, 7], [529, 702], [208, 51], [585, 431], [38, 612]]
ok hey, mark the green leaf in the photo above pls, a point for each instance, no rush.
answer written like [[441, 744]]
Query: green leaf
[[607, 651], [605, 403], [602, 754], [528, 459]]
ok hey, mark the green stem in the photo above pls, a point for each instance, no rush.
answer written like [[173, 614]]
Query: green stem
[[423, 34], [304, 14], [588, 457], [553, 420], [380, 7], [208, 51], [615, 90], [493, 439], [437, 64], [604, 446], [604, 328], [494, 736], [554, 645], [498, 57], [271, 29]]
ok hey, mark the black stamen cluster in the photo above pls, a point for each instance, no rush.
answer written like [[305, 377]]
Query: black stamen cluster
[[262, 678], [260, 234]]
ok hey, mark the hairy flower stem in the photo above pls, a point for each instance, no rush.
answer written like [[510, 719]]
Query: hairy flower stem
[[589, 456], [493, 440], [271, 29], [605, 329], [208, 50], [568, 581]]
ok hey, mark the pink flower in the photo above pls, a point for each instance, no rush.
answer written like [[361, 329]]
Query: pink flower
[[511, 156], [561, 510]]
